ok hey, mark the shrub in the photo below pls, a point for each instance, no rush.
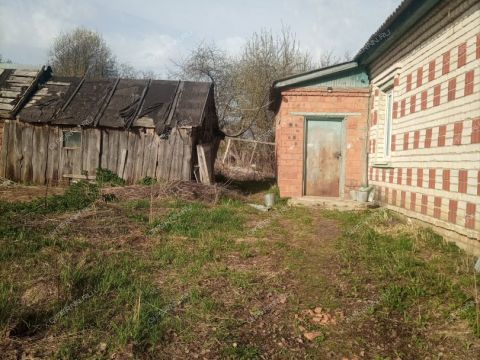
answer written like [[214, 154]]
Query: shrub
[[147, 181], [108, 177]]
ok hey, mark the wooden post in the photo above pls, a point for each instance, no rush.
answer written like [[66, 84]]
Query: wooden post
[[206, 174], [226, 151], [253, 154]]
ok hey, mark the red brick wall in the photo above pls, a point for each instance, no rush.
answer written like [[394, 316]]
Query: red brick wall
[[290, 134]]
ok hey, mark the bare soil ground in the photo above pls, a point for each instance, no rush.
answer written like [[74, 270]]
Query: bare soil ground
[[14, 193]]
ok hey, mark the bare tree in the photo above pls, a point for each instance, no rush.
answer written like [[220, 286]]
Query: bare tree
[[5, 60], [242, 85], [127, 71], [207, 62], [75, 52], [266, 57]]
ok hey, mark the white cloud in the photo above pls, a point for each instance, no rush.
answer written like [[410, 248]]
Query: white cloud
[[232, 45], [150, 33], [28, 28], [150, 52]]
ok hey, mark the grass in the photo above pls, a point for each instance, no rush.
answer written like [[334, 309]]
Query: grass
[[418, 275], [208, 280]]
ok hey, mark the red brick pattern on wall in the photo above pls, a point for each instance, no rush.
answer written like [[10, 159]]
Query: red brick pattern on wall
[[469, 81], [457, 133], [290, 151], [478, 47], [446, 63], [452, 211], [419, 76], [446, 91], [409, 82], [452, 88], [446, 180], [475, 136], [462, 55], [435, 124], [470, 218], [431, 70]]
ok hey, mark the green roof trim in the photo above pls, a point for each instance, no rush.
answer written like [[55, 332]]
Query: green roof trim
[[347, 74]]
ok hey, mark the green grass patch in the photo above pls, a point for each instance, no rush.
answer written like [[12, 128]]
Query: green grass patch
[[414, 270], [107, 177], [193, 219]]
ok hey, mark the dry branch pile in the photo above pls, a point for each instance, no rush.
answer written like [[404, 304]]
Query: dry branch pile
[[185, 190]]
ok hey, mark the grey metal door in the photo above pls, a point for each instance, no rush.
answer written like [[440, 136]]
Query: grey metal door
[[323, 156]]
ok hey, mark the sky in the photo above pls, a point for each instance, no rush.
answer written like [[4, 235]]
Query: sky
[[150, 35]]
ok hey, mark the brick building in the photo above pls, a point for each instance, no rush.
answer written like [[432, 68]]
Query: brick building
[[421, 149]]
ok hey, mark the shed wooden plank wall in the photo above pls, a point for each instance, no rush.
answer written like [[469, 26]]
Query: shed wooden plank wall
[[35, 153], [434, 169]]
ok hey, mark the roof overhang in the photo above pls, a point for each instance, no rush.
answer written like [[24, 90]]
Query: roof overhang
[[395, 26], [297, 79]]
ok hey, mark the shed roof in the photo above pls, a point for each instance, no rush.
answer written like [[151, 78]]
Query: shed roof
[[118, 103], [15, 86]]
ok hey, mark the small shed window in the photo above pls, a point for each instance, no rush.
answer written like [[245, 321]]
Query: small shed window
[[72, 139], [388, 123]]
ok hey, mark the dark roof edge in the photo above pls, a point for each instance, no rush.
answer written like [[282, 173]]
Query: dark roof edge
[[314, 74], [405, 15]]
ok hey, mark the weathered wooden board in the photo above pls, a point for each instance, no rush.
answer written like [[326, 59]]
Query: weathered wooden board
[[113, 150], [4, 149], [53, 159], [20, 80], [160, 172], [90, 150], [10, 94], [122, 153], [27, 149], [147, 150], [28, 73], [130, 162], [204, 161], [103, 147], [137, 174], [152, 164], [7, 107], [10, 165], [35, 153]]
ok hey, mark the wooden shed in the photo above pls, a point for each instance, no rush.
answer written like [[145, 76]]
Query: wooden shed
[[67, 128]]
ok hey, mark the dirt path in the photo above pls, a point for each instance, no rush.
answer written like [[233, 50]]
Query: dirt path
[[338, 304]]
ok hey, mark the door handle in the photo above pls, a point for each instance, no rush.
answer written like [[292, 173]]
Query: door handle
[[338, 154]]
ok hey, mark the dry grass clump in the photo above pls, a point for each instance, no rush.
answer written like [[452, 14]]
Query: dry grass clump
[[185, 190]]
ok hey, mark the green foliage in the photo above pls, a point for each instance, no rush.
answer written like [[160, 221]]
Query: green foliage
[[108, 177], [243, 352], [147, 181], [402, 265], [7, 304], [195, 219], [77, 196], [112, 286]]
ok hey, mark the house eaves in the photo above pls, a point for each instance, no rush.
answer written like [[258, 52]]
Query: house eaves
[[408, 13]]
